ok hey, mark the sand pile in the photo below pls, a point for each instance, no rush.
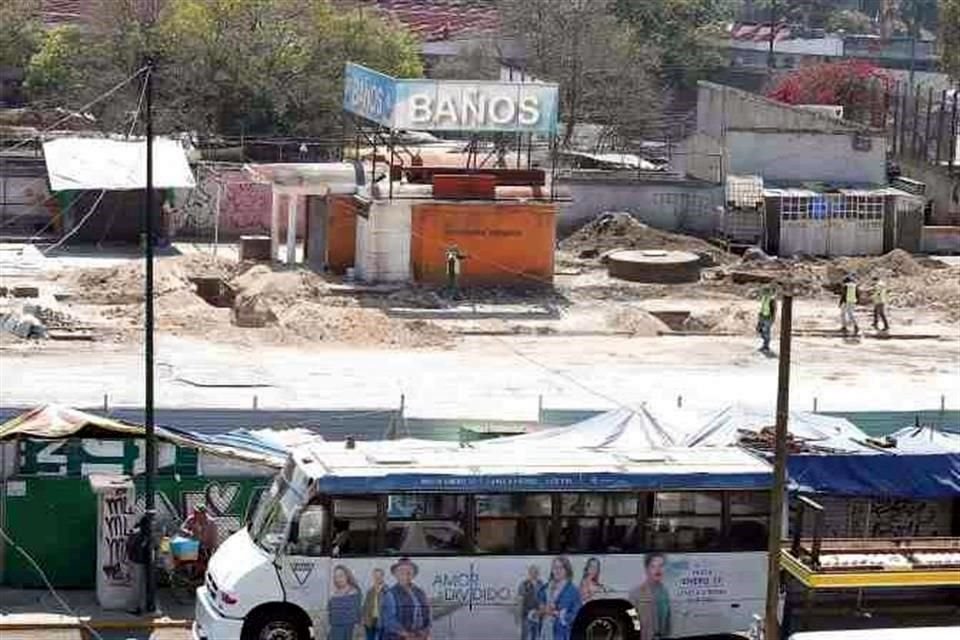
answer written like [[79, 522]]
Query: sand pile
[[637, 322], [896, 264], [620, 230], [123, 284], [727, 319], [365, 327], [263, 295]]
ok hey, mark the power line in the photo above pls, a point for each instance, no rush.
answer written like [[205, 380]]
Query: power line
[[93, 102]]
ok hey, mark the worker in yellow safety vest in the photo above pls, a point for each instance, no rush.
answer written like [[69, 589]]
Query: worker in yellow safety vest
[[848, 305], [766, 316], [880, 299]]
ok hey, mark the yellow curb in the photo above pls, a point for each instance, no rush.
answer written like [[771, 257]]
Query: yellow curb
[[99, 624]]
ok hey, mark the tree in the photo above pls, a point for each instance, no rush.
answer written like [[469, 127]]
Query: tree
[[851, 21], [19, 32], [859, 87], [223, 66], [599, 63], [950, 37], [685, 34], [476, 61]]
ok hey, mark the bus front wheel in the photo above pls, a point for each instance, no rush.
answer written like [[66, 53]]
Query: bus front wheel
[[604, 623], [275, 624]]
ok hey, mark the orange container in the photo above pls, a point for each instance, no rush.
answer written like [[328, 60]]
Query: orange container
[[341, 232], [477, 186], [504, 243]]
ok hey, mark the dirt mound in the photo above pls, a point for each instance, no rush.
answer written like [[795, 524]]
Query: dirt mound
[[895, 264], [637, 322], [321, 323], [620, 230], [123, 284], [279, 287], [727, 319]]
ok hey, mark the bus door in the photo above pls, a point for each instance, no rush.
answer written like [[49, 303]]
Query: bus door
[[305, 564]]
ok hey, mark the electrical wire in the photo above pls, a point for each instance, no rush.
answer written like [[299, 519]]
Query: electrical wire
[[82, 109], [46, 581], [103, 192]]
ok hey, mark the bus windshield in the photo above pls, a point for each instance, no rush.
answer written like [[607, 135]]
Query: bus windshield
[[273, 516]]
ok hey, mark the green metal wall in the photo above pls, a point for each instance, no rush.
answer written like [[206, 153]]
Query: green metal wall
[[55, 521]]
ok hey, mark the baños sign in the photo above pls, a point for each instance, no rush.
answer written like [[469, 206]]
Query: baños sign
[[450, 105]]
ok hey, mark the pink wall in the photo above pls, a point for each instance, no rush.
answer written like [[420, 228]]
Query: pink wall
[[245, 207]]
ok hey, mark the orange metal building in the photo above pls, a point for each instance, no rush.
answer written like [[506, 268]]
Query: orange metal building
[[505, 243]]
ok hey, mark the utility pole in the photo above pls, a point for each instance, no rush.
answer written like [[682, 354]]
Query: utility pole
[[150, 435], [771, 60], [771, 625]]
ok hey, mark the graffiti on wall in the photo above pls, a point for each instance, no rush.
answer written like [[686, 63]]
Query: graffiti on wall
[[898, 518], [81, 457], [229, 503], [245, 208], [114, 527]]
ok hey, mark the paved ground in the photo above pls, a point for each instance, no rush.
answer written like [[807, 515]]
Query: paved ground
[[78, 634], [493, 377]]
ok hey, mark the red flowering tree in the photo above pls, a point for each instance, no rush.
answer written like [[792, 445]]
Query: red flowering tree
[[862, 89]]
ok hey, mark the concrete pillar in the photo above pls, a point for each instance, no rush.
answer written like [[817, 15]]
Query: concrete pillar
[[275, 226], [117, 579], [292, 203]]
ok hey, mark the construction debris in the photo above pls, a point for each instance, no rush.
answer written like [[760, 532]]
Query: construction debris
[[620, 230]]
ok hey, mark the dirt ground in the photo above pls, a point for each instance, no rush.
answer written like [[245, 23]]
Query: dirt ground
[[587, 339]]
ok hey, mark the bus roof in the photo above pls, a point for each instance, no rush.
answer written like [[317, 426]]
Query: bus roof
[[375, 467]]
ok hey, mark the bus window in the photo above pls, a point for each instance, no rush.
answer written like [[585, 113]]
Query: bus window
[[580, 522], [749, 519], [426, 524], [354, 526], [309, 533], [621, 529], [513, 523], [686, 521]]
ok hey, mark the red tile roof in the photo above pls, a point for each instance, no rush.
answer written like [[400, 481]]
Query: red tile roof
[[429, 20]]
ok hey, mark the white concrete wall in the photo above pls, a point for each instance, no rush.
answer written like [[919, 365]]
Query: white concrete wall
[[806, 157], [383, 242], [672, 206]]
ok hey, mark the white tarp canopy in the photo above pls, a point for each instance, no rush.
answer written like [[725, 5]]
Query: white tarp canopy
[[75, 164], [620, 429], [726, 426]]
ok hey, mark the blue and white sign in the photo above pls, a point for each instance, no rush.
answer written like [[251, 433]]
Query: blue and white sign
[[369, 94], [443, 105]]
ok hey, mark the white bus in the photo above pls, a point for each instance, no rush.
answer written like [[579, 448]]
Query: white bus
[[400, 542]]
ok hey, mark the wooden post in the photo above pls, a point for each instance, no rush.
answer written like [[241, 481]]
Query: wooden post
[[771, 624], [940, 134]]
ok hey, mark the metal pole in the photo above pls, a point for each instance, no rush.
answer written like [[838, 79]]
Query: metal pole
[[926, 125], [216, 218], [151, 445], [771, 624], [771, 60], [952, 136], [896, 117], [940, 113], [916, 122]]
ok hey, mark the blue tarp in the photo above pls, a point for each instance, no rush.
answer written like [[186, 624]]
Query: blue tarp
[[927, 476]]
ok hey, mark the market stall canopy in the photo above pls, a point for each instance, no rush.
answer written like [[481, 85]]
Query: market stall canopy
[[735, 424], [75, 164], [56, 422], [620, 429]]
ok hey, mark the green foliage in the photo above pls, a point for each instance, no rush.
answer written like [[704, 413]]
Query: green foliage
[[19, 32], [950, 37], [684, 32], [223, 66], [850, 21], [599, 63]]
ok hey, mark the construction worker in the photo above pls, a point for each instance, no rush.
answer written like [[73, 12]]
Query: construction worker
[[848, 305], [766, 316], [454, 258], [880, 298]]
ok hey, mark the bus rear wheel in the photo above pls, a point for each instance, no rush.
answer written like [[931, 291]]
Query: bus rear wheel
[[607, 623]]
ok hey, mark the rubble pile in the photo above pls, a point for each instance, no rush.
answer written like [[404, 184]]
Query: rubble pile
[[620, 230], [318, 322], [636, 322]]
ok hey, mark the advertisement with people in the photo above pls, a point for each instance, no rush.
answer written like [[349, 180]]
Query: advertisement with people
[[538, 598]]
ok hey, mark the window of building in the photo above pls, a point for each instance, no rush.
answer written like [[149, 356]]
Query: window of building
[[688, 521], [355, 526], [426, 524], [513, 523]]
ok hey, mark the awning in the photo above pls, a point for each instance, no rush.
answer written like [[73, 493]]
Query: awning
[[75, 164]]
